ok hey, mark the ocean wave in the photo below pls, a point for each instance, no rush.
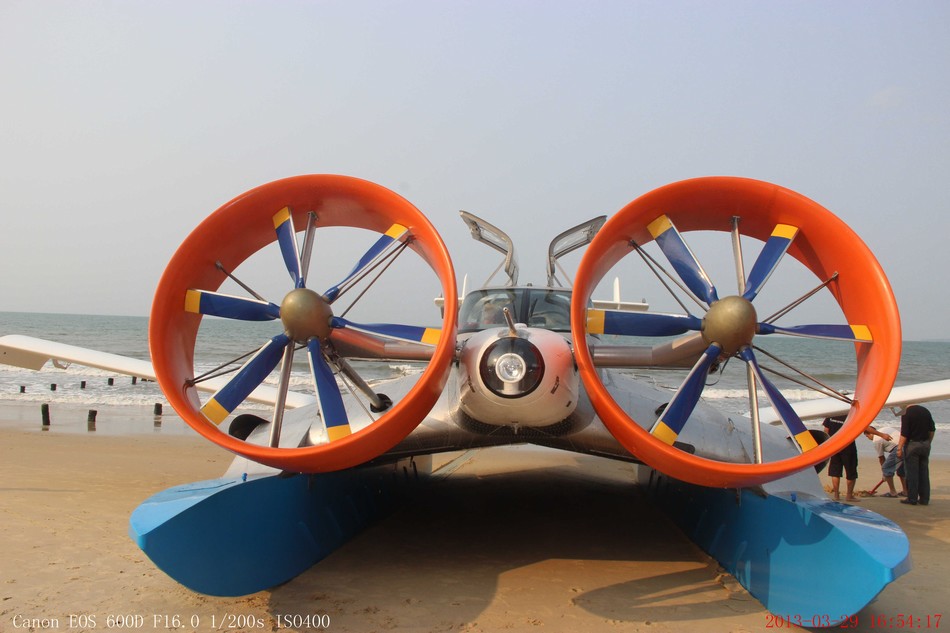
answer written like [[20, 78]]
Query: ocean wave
[[80, 385], [835, 364]]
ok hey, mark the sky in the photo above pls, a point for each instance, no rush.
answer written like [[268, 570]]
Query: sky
[[124, 124]]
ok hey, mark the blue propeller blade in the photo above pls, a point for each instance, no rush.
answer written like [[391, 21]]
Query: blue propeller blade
[[789, 418], [395, 232], [329, 399], [684, 262], [674, 417], [287, 239], [229, 306], [427, 335], [856, 333], [772, 253], [640, 323], [251, 375]]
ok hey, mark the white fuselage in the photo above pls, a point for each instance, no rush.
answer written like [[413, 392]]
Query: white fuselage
[[539, 387], [515, 363]]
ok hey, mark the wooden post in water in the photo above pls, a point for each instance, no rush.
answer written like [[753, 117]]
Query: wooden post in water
[[91, 420], [44, 411], [111, 381], [52, 387]]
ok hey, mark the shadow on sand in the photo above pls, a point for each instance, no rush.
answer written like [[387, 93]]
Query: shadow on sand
[[484, 548]]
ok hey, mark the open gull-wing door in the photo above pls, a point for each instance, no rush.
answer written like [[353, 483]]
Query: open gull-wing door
[[567, 242], [497, 239]]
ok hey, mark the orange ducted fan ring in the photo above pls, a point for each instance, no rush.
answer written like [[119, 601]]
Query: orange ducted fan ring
[[304, 320], [786, 223]]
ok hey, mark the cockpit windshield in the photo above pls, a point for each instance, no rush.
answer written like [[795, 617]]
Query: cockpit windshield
[[536, 307]]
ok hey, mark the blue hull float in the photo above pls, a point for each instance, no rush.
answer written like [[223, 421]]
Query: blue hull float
[[236, 536], [801, 555]]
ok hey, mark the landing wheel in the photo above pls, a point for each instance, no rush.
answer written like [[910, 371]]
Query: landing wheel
[[301, 320], [732, 326]]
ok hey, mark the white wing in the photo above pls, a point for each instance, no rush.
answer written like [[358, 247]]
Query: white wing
[[900, 396], [33, 353]]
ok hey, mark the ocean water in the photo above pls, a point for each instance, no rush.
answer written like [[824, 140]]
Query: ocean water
[[123, 405], [223, 340]]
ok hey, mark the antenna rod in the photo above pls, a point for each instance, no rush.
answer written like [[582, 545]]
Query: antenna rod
[[511, 322]]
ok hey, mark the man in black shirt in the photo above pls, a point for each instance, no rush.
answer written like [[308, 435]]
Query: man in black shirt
[[917, 432]]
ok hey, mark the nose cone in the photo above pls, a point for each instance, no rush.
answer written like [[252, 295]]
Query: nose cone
[[305, 314], [730, 323], [522, 381]]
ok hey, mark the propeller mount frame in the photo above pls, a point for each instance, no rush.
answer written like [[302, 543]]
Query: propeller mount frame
[[238, 230], [782, 219]]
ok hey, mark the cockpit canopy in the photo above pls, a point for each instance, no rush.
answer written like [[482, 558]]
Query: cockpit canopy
[[536, 307]]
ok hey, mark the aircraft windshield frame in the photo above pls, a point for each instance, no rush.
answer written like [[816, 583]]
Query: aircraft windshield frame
[[546, 308]]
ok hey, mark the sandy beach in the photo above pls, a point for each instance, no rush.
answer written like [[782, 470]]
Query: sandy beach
[[514, 540]]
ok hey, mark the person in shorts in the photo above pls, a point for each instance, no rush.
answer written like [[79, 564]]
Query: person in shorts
[[885, 445], [843, 462]]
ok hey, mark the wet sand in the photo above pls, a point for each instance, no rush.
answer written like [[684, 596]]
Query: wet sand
[[514, 540]]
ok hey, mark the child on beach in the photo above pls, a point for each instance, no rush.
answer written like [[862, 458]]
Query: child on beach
[[885, 444]]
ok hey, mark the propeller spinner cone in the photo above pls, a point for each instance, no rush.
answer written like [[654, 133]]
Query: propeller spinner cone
[[730, 323], [305, 314]]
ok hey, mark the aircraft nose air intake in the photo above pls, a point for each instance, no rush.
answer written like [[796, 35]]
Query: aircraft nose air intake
[[511, 367], [730, 323]]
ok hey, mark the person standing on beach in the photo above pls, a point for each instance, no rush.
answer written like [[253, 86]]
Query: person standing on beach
[[917, 432], [846, 459], [885, 444]]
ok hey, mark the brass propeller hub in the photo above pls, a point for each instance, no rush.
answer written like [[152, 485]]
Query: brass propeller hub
[[305, 314], [730, 323]]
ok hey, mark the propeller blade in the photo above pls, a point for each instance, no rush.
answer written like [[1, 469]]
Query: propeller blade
[[772, 253], [415, 334], [856, 333], [329, 399], [790, 419], [640, 323], [252, 374], [395, 232], [683, 260], [229, 306], [674, 417], [287, 239]]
